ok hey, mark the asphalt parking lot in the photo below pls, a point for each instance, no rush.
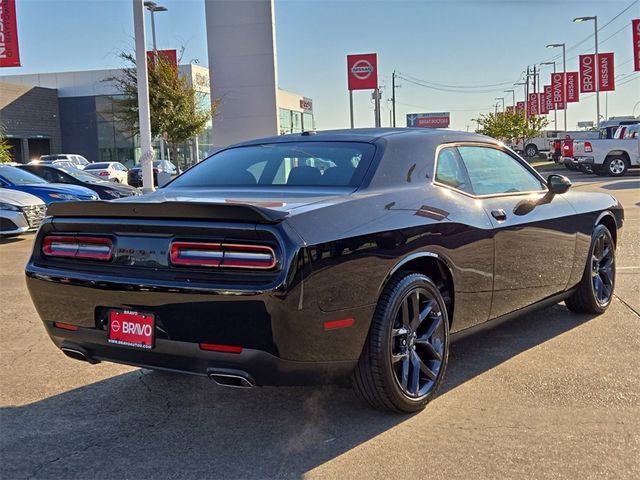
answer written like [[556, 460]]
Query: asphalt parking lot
[[549, 395]]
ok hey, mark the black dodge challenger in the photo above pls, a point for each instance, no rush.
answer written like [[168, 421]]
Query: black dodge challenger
[[322, 256]]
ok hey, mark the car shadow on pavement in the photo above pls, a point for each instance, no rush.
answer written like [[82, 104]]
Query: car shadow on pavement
[[621, 185], [147, 424]]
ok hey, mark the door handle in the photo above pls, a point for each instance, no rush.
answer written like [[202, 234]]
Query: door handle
[[499, 214]]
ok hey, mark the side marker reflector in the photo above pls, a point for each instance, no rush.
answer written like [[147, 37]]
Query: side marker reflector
[[334, 324]]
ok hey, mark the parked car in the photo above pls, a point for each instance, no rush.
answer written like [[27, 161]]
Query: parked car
[[610, 156], [105, 189], [19, 212], [14, 178], [75, 160], [160, 168], [112, 171], [255, 267], [60, 163], [533, 146]]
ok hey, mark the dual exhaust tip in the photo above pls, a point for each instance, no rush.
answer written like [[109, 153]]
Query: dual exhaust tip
[[231, 378], [223, 377]]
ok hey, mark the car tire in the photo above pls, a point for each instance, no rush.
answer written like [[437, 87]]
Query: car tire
[[615, 166], [531, 150], [405, 356], [595, 291]]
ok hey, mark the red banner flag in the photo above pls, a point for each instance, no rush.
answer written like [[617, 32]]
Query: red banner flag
[[560, 106], [606, 78], [548, 98], [9, 51], [362, 71], [587, 73], [519, 107], [557, 87], [635, 29], [573, 94], [543, 103], [533, 107]]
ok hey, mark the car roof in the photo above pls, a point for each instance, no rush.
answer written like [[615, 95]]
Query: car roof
[[368, 135]]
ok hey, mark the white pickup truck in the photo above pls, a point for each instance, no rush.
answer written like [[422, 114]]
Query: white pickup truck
[[609, 156]]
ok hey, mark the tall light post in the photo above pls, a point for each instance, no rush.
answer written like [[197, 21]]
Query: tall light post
[[555, 110], [153, 8], [595, 27], [144, 121], [564, 77], [513, 93], [501, 98]]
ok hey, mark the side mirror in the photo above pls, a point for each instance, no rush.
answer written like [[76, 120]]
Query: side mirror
[[558, 184]]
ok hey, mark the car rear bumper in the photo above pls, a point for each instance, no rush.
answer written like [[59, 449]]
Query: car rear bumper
[[285, 340], [258, 367], [585, 159]]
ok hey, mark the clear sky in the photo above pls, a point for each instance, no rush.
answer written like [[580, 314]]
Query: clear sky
[[461, 43]]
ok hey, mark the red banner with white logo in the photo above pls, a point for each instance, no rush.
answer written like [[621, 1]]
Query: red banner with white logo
[[557, 87], [519, 107], [560, 106], [362, 71], [544, 108], [606, 77], [170, 56], [9, 51], [532, 104], [548, 98], [635, 29], [573, 90], [587, 73]]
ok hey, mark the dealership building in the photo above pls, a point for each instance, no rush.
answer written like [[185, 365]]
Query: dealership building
[[75, 112]]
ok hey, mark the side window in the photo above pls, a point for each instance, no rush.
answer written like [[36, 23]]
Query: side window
[[492, 171], [450, 170]]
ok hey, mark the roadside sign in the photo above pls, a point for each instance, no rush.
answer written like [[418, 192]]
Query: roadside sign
[[573, 95], [362, 71], [606, 79], [587, 73], [635, 30], [428, 120], [9, 51]]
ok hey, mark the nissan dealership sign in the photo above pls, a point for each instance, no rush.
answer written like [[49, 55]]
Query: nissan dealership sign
[[428, 120], [362, 71]]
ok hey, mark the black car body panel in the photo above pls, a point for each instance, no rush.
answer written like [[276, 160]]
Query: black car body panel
[[336, 247]]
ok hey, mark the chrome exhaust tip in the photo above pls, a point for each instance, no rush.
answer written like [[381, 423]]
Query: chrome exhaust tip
[[78, 354], [234, 379]]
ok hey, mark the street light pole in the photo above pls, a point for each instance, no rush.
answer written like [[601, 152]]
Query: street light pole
[[513, 93], [501, 98], [564, 77], [153, 8], [393, 97], [144, 116], [595, 26]]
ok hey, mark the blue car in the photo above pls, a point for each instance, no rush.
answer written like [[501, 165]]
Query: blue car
[[17, 179]]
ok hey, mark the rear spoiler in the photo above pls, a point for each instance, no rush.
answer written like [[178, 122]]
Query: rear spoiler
[[167, 210]]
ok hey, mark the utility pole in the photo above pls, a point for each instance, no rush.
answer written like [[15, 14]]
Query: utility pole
[[393, 98], [526, 95], [144, 113]]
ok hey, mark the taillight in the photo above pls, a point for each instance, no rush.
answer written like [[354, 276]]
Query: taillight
[[74, 246], [103, 174], [587, 147], [197, 254]]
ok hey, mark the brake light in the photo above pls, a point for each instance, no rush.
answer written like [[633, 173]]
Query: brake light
[[103, 173], [74, 246], [587, 147], [226, 255]]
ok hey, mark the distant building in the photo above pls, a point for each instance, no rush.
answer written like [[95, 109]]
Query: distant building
[[73, 112]]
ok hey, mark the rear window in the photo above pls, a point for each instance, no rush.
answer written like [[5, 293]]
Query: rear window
[[303, 164], [96, 166], [53, 157]]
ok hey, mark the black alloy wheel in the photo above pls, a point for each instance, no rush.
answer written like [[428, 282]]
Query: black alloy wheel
[[595, 291], [602, 268], [417, 343], [405, 354]]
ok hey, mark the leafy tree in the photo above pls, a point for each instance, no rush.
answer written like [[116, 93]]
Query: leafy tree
[[5, 148], [511, 126], [177, 113]]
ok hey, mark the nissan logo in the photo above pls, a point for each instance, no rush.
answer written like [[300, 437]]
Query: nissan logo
[[362, 69]]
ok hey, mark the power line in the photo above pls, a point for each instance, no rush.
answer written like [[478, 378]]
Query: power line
[[424, 84], [454, 86]]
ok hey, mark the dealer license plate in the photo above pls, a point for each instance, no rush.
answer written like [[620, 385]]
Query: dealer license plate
[[133, 329]]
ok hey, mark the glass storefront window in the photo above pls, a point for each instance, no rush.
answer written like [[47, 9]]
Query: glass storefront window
[[307, 122], [285, 121], [296, 122]]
